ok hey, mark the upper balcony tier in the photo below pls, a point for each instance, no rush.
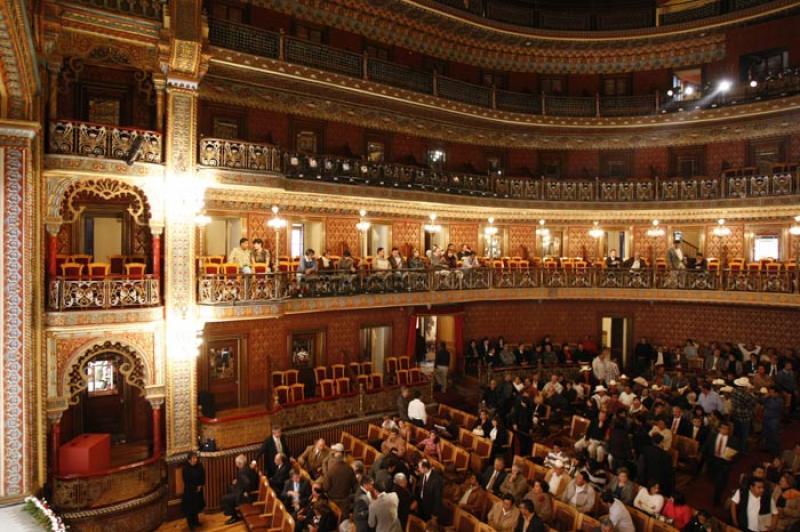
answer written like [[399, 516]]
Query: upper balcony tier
[[295, 51], [71, 137]]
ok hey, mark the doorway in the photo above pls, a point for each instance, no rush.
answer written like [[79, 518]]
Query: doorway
[[376, 345], [615, 334], [432, 329]]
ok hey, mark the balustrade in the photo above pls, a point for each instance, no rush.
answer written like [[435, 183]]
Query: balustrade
[[325, 57], [141, 8], [105, 293], [239, 155], [243, 289], [103, 141]]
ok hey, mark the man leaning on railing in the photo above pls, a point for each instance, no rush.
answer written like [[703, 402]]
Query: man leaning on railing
[[307, 267]]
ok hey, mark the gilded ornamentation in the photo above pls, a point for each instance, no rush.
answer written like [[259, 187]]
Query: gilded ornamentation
[[464, 234], [130, 362], [110, 317], [103, 189], [98, 491], [341, 234], [726, 247], [89, 294]]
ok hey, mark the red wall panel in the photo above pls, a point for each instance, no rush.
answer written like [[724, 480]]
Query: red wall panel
[[344, 139], [647, 159], [583, 163], [731, 154]]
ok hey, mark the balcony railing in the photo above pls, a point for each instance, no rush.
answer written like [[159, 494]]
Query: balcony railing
[[235, 154], [244, 289], [104, 141], [101, 294], [551, 15], [252, 40], [358, 172], [139, 8]]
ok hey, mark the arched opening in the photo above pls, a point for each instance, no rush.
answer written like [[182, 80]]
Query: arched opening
[[105, 388]]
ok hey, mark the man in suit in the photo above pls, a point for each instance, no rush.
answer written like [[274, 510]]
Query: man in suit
[[528, 520], [281, 473], [429, 491], [655, 464], [714, 361], [275, 444], [361, 503], [296, 491], [515, 484], [470, 496], [504, 516], [238, 492], [494, 475], [383, 516], [643, 354], [679, 424], [718, 452], [404, 498], [339, 483], [313, 457], [698, 431]]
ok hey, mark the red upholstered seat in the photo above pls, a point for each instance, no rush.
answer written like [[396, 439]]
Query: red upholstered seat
[[342, 386], [282, 394], [327, 388], [278, 378], [291, 376], [297, 392], [338, 371]]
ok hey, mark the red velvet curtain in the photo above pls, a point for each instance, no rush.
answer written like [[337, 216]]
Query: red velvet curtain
[[411, 341]]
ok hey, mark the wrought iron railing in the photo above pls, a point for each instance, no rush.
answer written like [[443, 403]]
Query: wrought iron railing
[[104, 293], [140, 8], [235, 154], [253, 40], [243, 289], [104, 141], [359, 172]]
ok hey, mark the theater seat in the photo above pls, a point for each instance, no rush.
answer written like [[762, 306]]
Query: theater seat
[[291, 376], [376, 381], [282, 394], [327, 388], [297, 392], [342, 386]]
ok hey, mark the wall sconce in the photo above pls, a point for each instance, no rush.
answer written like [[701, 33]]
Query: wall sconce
[[363, 225], [596, 231], [655, 231], [432, 227], [795, 229], [490, 230], [721, 230]]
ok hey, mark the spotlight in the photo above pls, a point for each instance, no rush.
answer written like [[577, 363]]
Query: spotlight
[[670, 93], [724, 85], [689, 90], [753, 83]]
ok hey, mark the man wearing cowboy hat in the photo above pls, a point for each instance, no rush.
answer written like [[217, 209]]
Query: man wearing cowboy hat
[[743, 406]]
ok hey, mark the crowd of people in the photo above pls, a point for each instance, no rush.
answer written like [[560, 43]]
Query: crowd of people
[[623, 460]]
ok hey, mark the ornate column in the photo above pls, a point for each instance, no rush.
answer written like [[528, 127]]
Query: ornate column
[[52, 249], [53, 71], [55, 441], [155, 231], [159, 83], [155, 396]]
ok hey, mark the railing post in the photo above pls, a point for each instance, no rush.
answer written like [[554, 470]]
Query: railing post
[[365, 66], [658, 101], [544, 112], [494, 96], [282, 45], [435, 82], [597, 104]]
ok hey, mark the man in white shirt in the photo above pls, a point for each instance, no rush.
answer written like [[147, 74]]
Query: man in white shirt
[[580, 493], [416, 410], [599, 365], [618, 513], [627, 396], [242, 256], [556, 455], [383, 512], [660, 427], [553, 387], [758, 512]]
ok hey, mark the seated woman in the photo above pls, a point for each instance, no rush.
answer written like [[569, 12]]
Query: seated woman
[[431, 446], [676, 509], [649, 500], [542, 500], [499, 437]]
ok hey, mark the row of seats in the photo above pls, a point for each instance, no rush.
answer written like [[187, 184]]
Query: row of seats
[[267, 513], [452, 454], [100, 270]]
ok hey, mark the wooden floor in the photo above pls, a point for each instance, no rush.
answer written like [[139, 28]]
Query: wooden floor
[[208, 523]]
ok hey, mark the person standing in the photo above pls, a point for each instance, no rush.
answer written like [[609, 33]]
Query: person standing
[[383, 516], [402, 403], [275, 444], [193, 501], [442, 365], [362, 500], [429, 492], [771, 428]]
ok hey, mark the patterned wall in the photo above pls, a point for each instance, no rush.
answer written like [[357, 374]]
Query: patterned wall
[[406, 235], [722, 153], [341, 233], [522, 240], [661, 323], [649, 247], [732, 246], [257, 228], [267, 339], [464, 234], [580, 244]]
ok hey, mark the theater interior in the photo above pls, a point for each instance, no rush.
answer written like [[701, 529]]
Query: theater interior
[[473, 241]]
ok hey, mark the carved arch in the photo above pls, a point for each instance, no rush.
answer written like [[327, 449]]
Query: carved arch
[[103, 189], [130, 360]]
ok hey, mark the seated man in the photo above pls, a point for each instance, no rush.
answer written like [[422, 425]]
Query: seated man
[[239, 491], [393, 441], [281, 474], [503, 516], [515, 484], [470, 496], [580, 493], [296, 492], [494, 475], [557, 479], [242, 256], [313, 457]]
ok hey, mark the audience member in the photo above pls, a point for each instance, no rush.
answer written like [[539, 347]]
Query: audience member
[[504, 516]]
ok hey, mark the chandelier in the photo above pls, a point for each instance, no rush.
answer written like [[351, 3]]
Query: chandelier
[[795, 229], [655, 231], [276, 222], [721, 230], [596, 231], [432, 226], [490, 230], [542, 231], [363, 225]]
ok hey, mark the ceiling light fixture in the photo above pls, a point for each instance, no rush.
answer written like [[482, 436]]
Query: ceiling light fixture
[[795, 229], [490, 230], [432, 226], [721, 230], [596, 231], [363, 225], [655, 231]]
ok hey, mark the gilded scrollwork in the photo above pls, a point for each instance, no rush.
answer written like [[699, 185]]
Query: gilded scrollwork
[[103, 189], [129, 361]]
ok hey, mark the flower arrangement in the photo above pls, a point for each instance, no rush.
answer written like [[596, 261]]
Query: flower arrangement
[[43, 514]]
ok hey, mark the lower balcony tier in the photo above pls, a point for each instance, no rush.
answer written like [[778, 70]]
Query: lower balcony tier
[[102, 293]]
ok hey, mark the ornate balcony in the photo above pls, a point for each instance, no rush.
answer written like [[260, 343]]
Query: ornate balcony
[[101, 294], [139, 8], [70, 137], [239, 155], [357, 172], [256, 41], [249, 289]]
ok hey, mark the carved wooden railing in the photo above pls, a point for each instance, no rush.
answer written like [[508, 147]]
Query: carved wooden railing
[[140, 8], [105, 488], [236, 154], [72, 137], [354, 171], [253, 40], [104, 293], [237, 289]]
